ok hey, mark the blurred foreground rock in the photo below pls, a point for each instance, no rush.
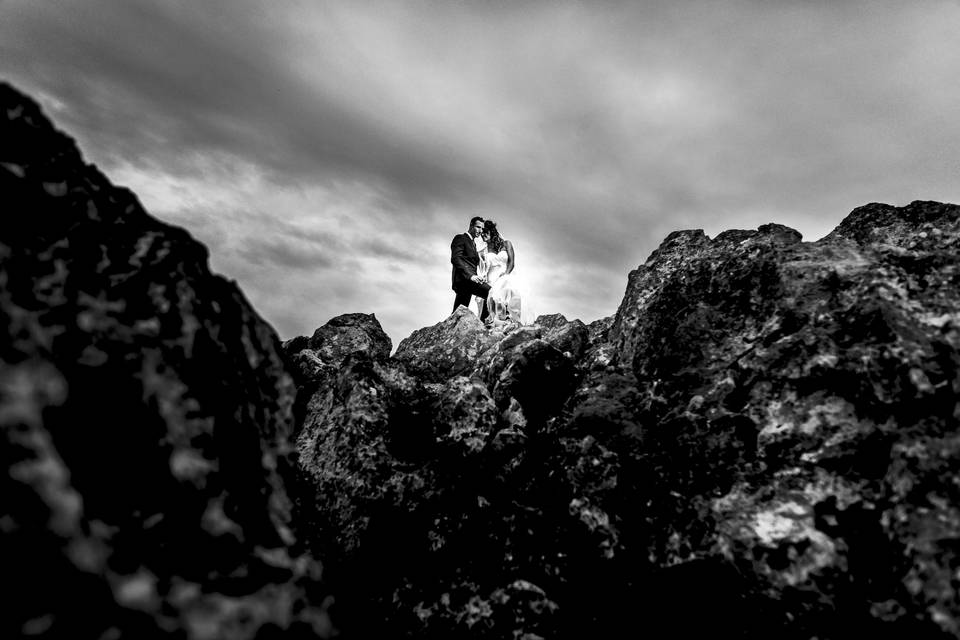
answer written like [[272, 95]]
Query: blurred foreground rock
[[146, 414]]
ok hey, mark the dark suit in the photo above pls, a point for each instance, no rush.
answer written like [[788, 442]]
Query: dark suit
[[465, 259]]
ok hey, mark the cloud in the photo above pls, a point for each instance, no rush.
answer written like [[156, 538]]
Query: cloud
[[164, 80], [286, 254], [327, 152]]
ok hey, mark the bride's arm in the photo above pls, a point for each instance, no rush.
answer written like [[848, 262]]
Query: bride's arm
[[510, 259]]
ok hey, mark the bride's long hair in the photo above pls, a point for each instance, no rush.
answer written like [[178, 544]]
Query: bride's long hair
[[495, 243]]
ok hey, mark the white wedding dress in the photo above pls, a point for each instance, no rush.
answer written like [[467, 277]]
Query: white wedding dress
[[504, 302]]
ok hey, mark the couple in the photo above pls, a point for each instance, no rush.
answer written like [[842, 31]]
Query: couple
[[483, 263]]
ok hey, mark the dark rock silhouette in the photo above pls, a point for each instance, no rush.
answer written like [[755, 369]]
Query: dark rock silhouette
[[761, 442], [146, 415]]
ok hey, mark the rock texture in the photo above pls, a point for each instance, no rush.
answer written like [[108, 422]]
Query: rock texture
[[146, 416], [447, 349], [762, 442], [316, 359]]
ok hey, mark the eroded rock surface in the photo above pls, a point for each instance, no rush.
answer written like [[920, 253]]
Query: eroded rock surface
[[146, 419], [449, 348]]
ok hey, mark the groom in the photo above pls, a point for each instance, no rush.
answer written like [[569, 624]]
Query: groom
[[465, 259]]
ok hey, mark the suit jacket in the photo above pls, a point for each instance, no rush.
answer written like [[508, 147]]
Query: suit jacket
[[465, 259]]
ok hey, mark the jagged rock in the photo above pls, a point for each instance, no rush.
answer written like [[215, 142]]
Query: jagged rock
[[314, 361], [514, 339], [348, 334], [146, 417], [571, 338], [600, 352], [918, 227], [412, 477], [676, 250], [311, 369], [551, 321], [815, 367], [408, 480], [361, 430], [296, 345], [599, 329], [447, 349]]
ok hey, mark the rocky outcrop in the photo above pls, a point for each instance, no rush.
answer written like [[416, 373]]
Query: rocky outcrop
[[761, 442], [450, 348], [348, 334], [550, 321], [146, 420], [416, 462], [569, 337], [316, 359]]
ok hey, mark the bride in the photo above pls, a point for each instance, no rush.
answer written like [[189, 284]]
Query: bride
[[504, 302]]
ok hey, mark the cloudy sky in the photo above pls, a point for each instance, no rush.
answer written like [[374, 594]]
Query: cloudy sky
[[327, 152]]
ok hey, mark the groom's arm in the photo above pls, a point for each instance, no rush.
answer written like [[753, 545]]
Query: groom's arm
[[458, 256]]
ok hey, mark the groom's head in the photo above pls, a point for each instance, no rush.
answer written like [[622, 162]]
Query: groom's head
[[476, 226]]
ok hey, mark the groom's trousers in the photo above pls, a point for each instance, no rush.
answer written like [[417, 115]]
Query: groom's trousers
[[470, 288]]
